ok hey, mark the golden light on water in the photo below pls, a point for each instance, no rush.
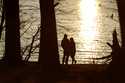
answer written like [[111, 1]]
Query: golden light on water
[[88, 14]]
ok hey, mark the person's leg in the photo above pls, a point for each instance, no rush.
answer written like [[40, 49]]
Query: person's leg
[[72, 59], [75, 61], [64, 56], [67, 58]]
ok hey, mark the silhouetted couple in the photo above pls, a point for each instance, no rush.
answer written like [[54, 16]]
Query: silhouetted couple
[[69, 48]]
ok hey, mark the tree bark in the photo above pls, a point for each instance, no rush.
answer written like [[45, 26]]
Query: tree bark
[[49, 57], [121, 11], [2, 18], [116, 67], [12, 38]]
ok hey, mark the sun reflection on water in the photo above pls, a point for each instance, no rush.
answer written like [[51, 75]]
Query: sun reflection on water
[[88, 26]]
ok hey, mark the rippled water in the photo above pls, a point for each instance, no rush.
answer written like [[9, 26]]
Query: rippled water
[[91, 23]]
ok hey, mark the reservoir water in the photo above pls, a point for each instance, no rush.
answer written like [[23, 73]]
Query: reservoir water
[[89, 22]]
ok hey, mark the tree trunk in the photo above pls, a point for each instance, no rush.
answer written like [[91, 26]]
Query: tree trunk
[[117, 65], [2, 18], [49, 57], [121, 10], [12, 38]]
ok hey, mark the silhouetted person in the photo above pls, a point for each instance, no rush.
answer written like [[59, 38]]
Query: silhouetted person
[[72, 50], [65, 46]]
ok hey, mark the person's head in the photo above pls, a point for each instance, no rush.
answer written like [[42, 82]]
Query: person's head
[[65, 35], [71, 39]]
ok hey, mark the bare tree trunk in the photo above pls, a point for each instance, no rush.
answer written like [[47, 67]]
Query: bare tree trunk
[[116, 67], [12, 38], [2, 18], [121, 10], [49, 57]]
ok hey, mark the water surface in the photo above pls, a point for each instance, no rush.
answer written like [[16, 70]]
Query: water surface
[[91, 23]]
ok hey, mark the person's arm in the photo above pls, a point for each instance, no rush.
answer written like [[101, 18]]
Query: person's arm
[[62, 44], [74, 47]]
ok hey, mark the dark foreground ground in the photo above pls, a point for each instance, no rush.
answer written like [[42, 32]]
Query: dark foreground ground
[[78, 73]]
